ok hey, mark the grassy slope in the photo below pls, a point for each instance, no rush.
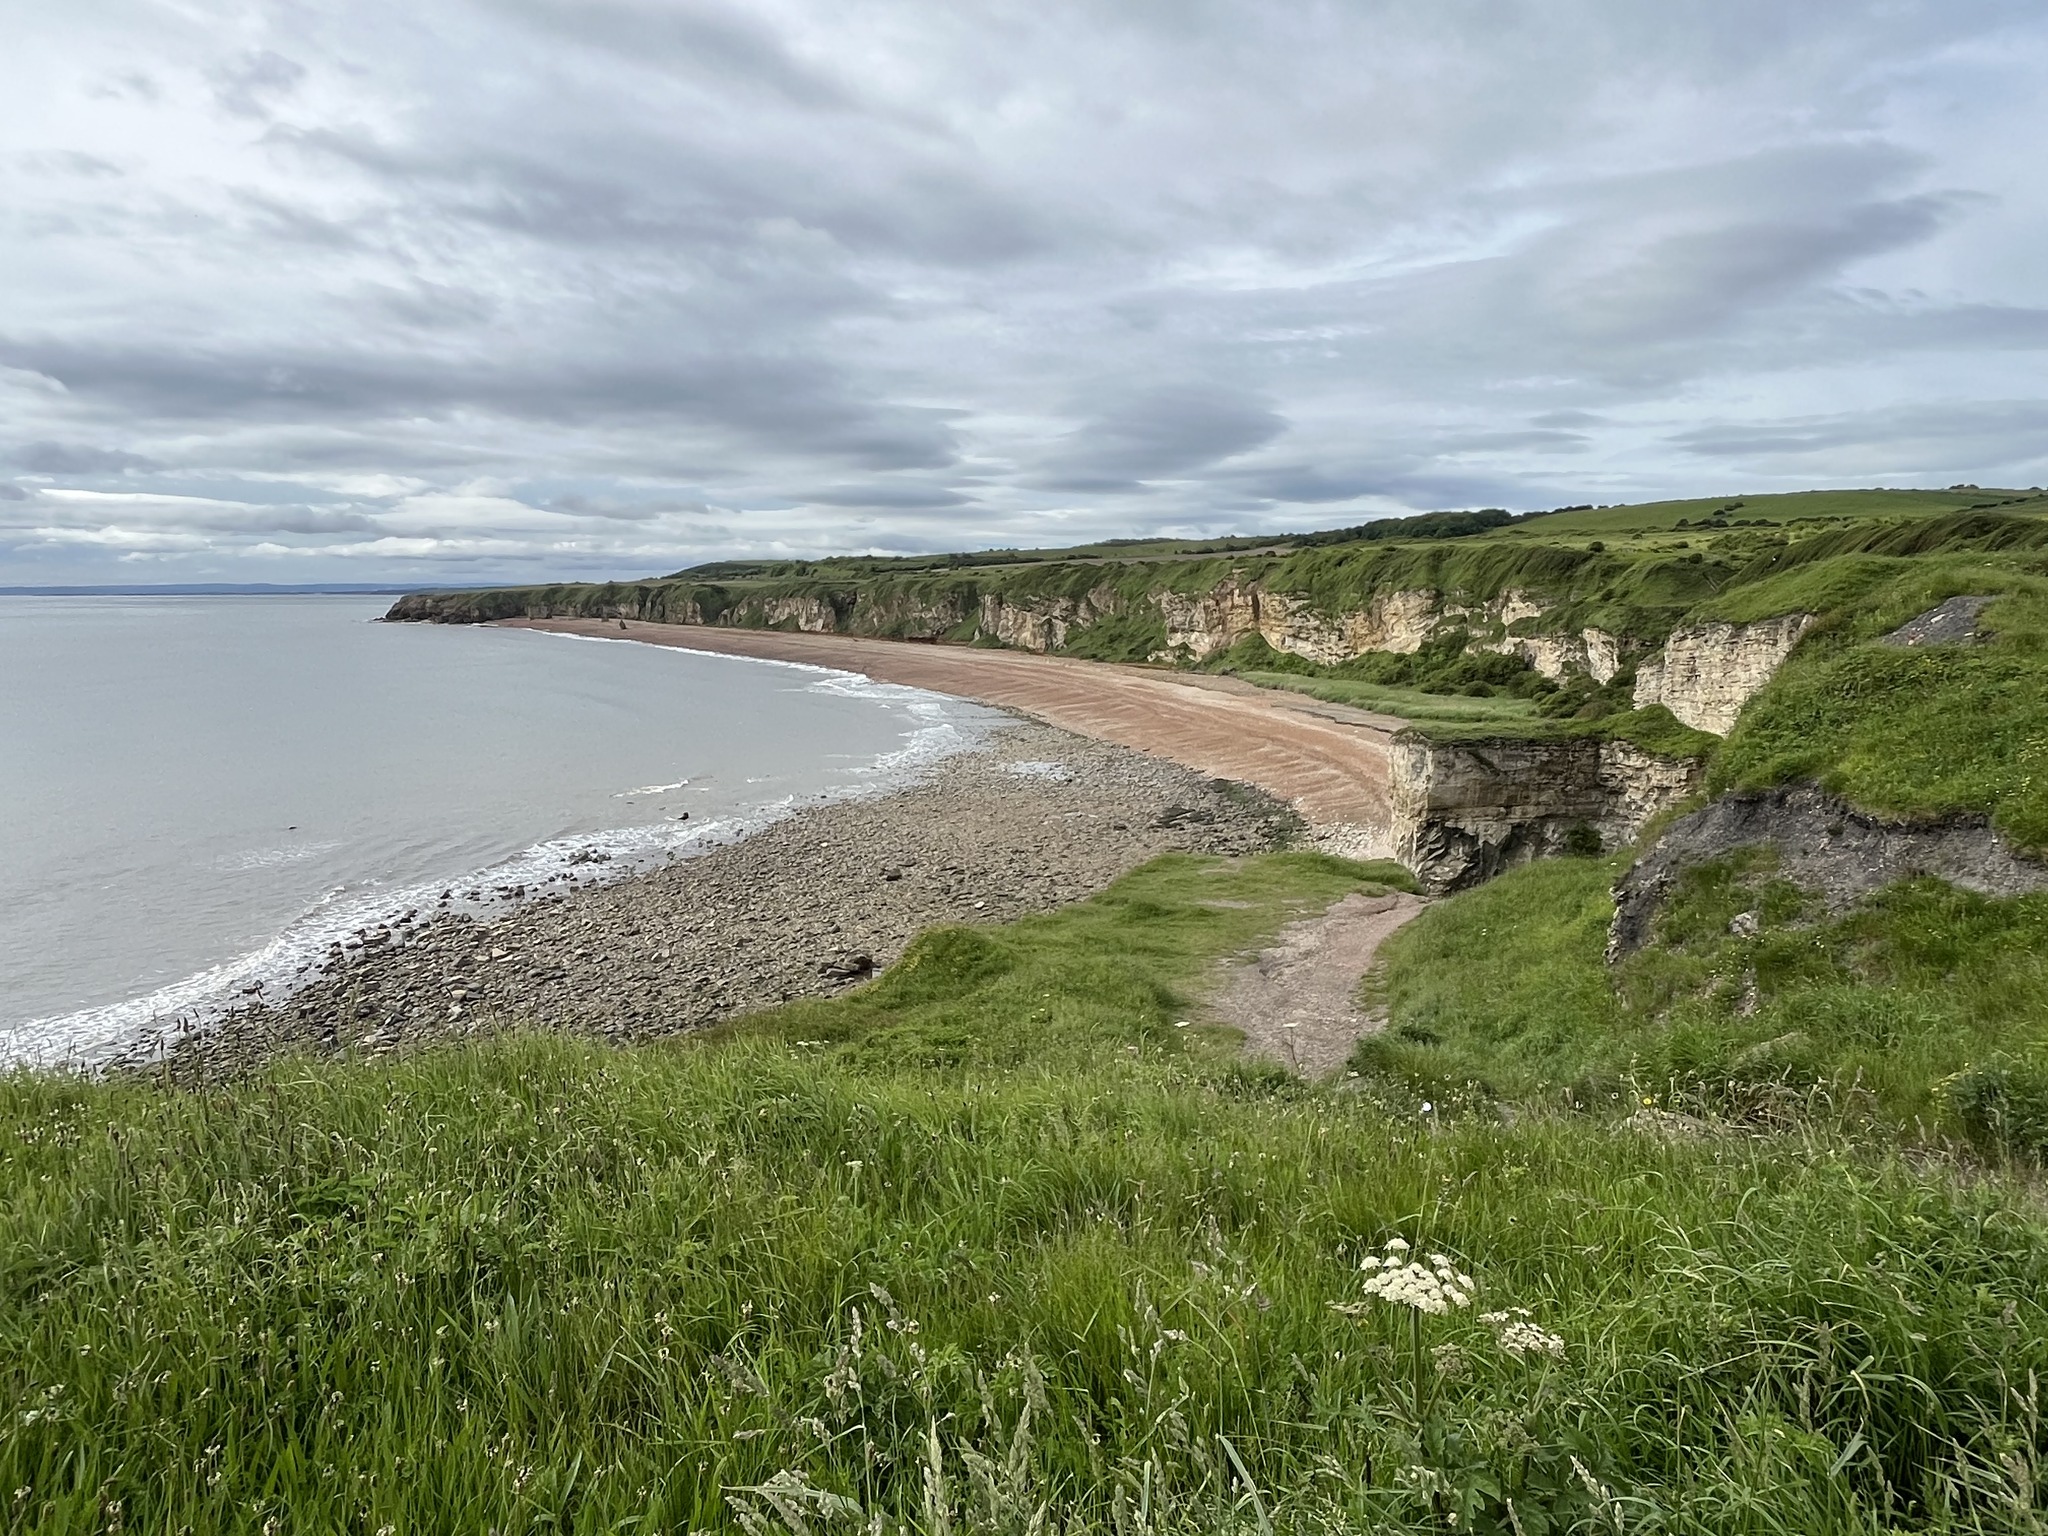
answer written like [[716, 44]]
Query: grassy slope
[[1411, 704], [1893, 1013], [1912, 732], [546, 1285], [1778, 510]]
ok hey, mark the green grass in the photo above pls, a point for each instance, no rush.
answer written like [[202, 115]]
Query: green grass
[[1410, 704], [1950, 729], [992, 1246], [1776, 509], [1462, 717], [1501, 994]]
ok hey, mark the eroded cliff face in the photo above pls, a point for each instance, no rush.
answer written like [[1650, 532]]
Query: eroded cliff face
[[1704, 673], [1464, 811], [1823, 845], [1592, 651], [811, 615], [1043, 623], [1708, 671], [1198, 625]]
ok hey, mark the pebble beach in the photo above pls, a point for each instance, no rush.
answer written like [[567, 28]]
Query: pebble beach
[[814, 903]]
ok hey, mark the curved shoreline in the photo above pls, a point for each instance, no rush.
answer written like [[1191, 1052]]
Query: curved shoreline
[[372, 906], [1032, 819], [1327, 761]]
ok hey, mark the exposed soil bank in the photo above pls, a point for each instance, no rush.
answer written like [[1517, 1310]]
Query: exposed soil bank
[[806, 907], [1823, 845]]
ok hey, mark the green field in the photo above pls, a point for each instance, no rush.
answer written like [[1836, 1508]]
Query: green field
[[1411, 704], [1013, 1241], [1901, 1014], [996, 1245]]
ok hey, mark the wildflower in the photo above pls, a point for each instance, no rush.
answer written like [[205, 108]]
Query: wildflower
[[1520, 1339], [1519, 1336], [1435, 1287]]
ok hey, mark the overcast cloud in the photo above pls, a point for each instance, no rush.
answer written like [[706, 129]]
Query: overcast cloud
[[473, 290]]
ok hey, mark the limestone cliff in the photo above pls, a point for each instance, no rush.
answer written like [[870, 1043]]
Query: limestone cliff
[[1708, 671], [1199, 625], [1704, 673], [1558, 656], [1044, 623], [1463, 811]]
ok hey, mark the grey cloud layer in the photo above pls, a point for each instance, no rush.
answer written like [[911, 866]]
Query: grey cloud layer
[[522, 287]]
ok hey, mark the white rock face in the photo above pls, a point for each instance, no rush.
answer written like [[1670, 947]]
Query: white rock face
[[1557, 657], [1708, 671], [1201, 624], [1043, 623], [1604, 653], [1461, 812], [1198, 625], [813, 615]]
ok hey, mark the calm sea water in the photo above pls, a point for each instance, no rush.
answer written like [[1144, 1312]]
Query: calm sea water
[[198, 794]]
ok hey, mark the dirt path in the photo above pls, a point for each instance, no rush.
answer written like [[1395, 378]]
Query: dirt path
[[1296, 1001], [1327, 761]]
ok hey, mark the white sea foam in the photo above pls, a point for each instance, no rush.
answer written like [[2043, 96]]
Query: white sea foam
[[940, 727], [652, 789], [271, 858]]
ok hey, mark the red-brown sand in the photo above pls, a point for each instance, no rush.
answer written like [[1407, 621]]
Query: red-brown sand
[[1327, 761]]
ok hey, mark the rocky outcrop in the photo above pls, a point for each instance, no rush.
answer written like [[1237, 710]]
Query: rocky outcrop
[[1200, 624], [1043, 623], [1708, 671], [1951, 623], [1558, 656], [809, 615], [1464, 811], [1823, 845]]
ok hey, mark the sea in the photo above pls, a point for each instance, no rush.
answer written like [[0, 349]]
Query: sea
[[199, 794]]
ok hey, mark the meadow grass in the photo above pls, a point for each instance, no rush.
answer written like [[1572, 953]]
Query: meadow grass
[[994, 1245], [1411, 704], [1879, 1012]]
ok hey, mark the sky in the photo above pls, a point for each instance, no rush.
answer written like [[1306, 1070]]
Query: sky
[[514, 290]]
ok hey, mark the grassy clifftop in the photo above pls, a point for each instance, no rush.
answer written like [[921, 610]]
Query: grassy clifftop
[[995, 1246], [1632, 570], [1952, 729]]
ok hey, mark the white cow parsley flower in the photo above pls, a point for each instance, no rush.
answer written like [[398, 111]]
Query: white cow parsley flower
[[1520, 1337], [1435, 1287]]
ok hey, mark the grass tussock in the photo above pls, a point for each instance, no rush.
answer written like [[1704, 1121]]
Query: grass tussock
[[994, 1246], [1921, 1013]]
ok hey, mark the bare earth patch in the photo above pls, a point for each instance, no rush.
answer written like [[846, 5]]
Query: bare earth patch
[[1296, 1002]]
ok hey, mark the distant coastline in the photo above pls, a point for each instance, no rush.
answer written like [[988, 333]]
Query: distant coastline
[[217, 589]]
